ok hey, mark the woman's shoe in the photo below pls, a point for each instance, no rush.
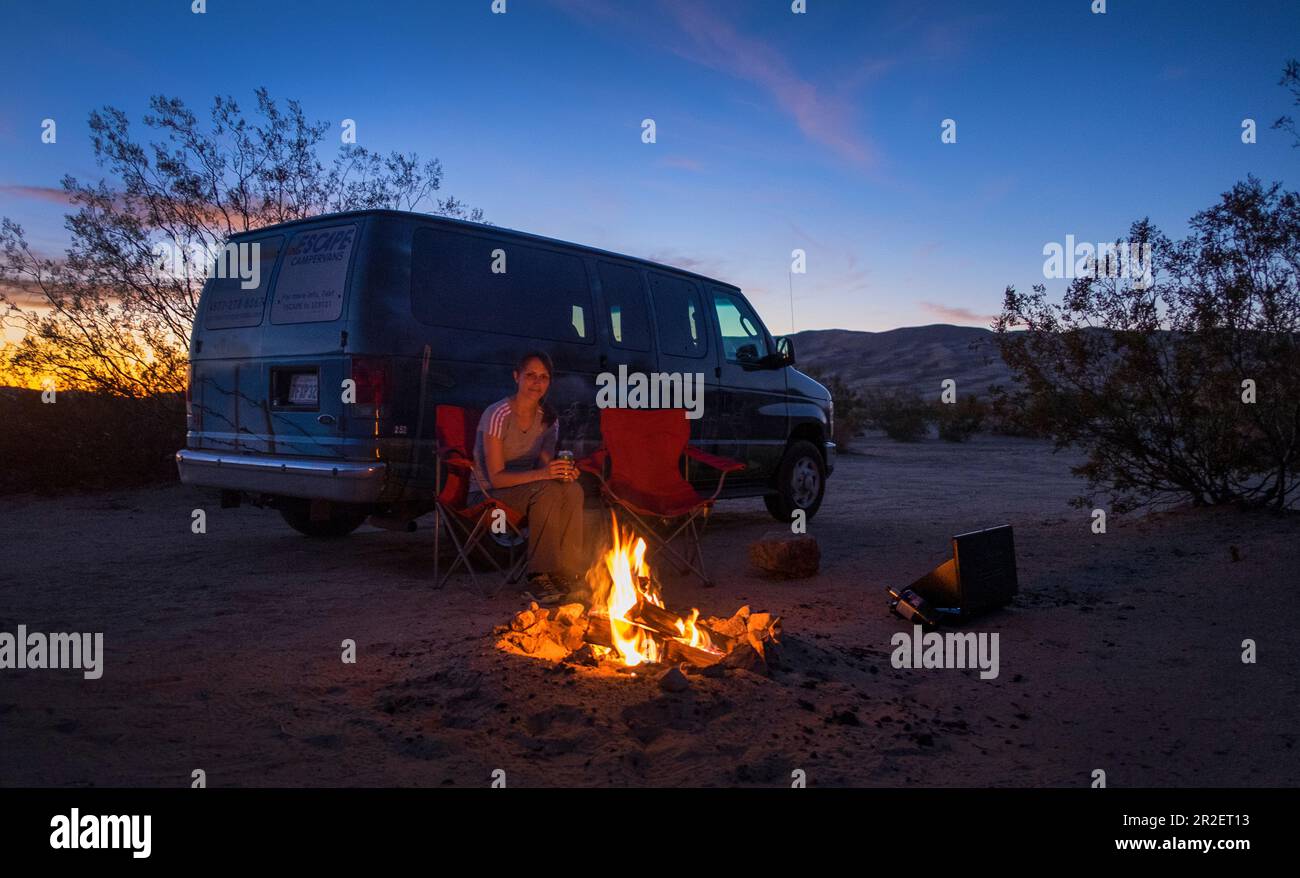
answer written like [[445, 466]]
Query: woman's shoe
[[545, 590]]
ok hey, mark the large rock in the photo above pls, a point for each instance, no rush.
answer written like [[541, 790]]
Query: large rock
[[791, 556], [673, 680]]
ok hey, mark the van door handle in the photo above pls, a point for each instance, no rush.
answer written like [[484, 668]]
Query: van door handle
[[327, 420], [604, 361], [717, 371]]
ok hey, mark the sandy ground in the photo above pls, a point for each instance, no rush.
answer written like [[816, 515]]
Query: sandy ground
[[1122, 652]]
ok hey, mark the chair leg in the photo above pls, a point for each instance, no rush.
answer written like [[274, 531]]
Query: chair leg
[[437, 542], [462, 556], [661, 544]]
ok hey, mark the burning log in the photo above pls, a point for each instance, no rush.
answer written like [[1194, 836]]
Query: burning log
[[676, 652], [627, 624], [598, 632], [656, 618]]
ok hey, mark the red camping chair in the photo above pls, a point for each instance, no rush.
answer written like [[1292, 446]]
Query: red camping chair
[[454, 430], [644, 448]]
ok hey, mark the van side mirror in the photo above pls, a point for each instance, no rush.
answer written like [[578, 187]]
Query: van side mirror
[[784, 351]]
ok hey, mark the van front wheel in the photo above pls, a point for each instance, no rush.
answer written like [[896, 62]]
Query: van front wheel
[[342, 520], [800, 483]]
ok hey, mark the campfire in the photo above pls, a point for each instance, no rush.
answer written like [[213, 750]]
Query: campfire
[[626, 625]]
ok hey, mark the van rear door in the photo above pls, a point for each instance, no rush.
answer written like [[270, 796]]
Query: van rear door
[[268, 375]]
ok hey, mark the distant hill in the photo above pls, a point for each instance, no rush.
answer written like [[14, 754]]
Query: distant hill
[[915, 357]]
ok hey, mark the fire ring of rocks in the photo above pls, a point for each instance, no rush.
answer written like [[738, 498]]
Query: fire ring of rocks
[[626, 627]]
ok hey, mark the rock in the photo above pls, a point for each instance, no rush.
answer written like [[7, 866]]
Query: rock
[[569, 613], [763, 633], [523, 619], [714, 670], [791, 556], [585, 655], [745, 658], [735, 627], [569, 626], [673, 680], [550, 650]]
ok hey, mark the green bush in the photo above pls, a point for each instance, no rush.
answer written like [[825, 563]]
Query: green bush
[[850, 408], [902, 415], [960, 420]]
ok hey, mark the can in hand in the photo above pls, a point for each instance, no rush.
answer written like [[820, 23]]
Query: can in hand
[[567, 457]]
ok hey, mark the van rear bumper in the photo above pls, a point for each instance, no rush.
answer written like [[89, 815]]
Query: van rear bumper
[[338, 480]]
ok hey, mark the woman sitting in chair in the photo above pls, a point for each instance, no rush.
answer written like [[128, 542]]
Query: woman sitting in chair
[[514, 454]]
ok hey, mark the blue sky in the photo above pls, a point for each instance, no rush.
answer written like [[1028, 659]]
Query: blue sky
[[775, 131]]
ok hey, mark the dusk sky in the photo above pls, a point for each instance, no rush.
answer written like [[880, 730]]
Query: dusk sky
[[775, 131]]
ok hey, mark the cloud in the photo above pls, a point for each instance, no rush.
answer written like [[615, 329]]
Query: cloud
[[24, 294], [822, 117], [704, 37], [705, 265], [38, 193], [957, 313], [681, 162]]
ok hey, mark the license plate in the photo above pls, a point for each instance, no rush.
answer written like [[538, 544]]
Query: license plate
[[303, 389]]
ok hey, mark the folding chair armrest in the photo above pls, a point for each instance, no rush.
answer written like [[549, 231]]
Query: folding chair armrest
[[723, 465], [461, 463]]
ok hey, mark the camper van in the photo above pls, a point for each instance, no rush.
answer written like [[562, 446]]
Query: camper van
[[314, 378]]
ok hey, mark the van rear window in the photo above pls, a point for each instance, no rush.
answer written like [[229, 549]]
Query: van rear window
[[313, 277], [495, 285], [226, 304]]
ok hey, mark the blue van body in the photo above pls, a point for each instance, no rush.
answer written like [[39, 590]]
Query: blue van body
[[318, 385]]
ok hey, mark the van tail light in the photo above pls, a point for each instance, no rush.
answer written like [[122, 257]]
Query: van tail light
[[373, 379], [193, 414]]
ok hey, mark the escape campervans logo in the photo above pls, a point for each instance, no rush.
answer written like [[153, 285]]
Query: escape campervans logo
[[639, 390], [52, 651], [77, 831]]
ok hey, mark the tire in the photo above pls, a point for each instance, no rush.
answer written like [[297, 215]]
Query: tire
[[800, 482], [343, 518]]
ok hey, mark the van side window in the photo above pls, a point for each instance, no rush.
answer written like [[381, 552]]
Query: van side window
[[227, 305], [679, 316], [311, 283], [628, 320], [743, 339], [463, 282]]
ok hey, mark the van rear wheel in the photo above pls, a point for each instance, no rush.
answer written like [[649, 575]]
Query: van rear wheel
[[800, 482], [342, 518]]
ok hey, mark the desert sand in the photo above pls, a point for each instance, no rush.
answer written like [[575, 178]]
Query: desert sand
[[1122, 651]]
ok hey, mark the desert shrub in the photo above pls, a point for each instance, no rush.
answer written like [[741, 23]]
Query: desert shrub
[[850, 408], [1184, 385], [901, 414], [85, 441], [959, 421]]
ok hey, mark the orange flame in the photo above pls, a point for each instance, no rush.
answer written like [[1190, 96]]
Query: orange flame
[[624, 582]]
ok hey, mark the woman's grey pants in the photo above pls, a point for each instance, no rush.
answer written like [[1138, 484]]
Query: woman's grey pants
[[554, 511]]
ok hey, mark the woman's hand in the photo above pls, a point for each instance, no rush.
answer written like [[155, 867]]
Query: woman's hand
[[561, 470]]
